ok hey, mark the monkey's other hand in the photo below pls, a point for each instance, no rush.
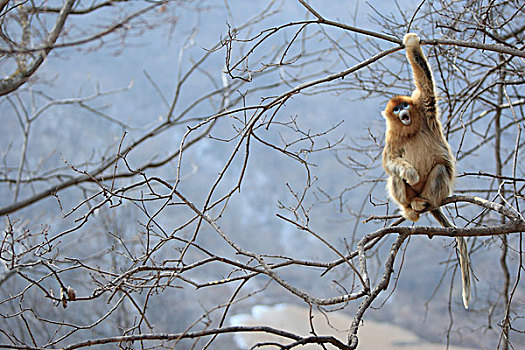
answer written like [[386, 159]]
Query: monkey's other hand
[[410, 175], [411, 40], [419, 204]]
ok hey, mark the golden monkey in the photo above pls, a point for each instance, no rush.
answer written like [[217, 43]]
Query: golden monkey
[[417, 157]]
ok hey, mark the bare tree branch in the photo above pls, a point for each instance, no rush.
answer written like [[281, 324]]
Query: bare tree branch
[[19, 78]]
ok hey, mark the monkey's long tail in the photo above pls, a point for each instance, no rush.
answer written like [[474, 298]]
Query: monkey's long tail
[[464, 262]]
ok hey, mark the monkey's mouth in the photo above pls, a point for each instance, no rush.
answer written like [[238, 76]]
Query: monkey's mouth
[[404, 116]]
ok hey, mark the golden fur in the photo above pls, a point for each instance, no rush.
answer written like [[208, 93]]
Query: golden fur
[[417, 157]]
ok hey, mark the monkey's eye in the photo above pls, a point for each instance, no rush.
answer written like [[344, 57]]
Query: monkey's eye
[[405, 105], [396, 109]]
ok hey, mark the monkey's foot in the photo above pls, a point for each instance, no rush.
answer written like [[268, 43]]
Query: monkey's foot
[[410, 214], [411, 39], [419, 204]]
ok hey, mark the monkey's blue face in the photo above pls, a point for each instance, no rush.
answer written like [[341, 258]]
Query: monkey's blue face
[[402, 111]]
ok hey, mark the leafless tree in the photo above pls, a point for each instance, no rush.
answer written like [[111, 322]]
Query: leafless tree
[[255, 177]]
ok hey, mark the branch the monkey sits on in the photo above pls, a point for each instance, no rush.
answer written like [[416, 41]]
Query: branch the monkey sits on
[[417, 157]]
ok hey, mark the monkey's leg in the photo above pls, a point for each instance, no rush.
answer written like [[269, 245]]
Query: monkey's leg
[[398, 191], [438, 185]]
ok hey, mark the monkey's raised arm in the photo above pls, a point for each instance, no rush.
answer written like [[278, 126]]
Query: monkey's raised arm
[[424, 95]]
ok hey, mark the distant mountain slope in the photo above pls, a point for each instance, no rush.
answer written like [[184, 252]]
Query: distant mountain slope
[[293, 318]]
